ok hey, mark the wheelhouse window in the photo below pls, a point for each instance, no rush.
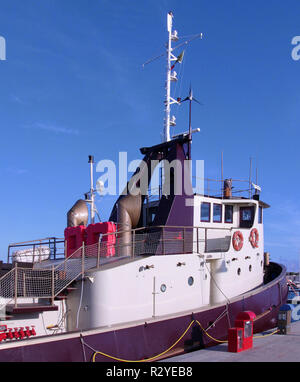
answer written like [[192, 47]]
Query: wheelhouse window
[[205, 212], [228, 214], [246, 217], [217, 213], [260, 215]]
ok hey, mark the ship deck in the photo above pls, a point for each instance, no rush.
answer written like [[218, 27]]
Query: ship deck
[[266, 348]]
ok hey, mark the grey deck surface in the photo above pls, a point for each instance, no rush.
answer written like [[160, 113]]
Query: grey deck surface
[[273, 348]]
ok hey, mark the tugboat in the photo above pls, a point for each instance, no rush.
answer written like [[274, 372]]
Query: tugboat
[[163, 276]]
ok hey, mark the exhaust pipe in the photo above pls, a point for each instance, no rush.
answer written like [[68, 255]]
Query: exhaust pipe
[[78, 214], [227, 193], [128, 215]]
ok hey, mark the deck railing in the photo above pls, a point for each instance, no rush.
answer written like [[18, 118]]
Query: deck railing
[[47, 279], [44, 281], [241, 188], [36, 250], [215, 188]]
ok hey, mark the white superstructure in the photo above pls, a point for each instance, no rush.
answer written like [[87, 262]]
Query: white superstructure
[[144, 287]]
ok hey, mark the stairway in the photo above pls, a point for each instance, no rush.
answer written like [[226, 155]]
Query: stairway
[[49, 283]]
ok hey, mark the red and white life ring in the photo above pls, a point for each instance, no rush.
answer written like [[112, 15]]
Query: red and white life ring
[[237, 240], [254, 238]]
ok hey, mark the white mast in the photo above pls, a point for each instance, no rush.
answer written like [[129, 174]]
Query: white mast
[[168, 82], [170, 77], [171, 74]]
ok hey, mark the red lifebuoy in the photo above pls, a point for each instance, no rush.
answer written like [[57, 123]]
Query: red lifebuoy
[[254, 238], [237, 240]]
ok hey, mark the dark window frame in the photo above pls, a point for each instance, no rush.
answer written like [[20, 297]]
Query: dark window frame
[[228, 206], [217, 221], [260, 215], [247, 223], [209, 218]]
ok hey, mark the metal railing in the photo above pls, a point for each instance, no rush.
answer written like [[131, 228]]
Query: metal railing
[[46, 280], [215, 187], [211, 188], [168, 240], [32, 251], [43, 282]]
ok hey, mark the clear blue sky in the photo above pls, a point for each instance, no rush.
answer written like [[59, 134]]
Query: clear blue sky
[[73, 85]]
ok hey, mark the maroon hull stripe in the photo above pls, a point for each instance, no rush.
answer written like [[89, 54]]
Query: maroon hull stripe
[[150, 339]]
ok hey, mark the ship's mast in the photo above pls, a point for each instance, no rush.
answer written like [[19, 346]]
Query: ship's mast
[[172, 36], [171, 74], [168, 81]]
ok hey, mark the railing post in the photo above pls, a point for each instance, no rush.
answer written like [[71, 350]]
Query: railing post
[[197, 239], [52, 285], [33, 256], [24, 284], [205, 240], [98, 253], [65, 265], [16, 284], [163, 241], [82, 259], [183, 242], [54, 248]]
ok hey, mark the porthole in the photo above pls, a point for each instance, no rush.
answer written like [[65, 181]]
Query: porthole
[[261, 263], [250, 268], [190, 281], [163, 287], [239, 271]]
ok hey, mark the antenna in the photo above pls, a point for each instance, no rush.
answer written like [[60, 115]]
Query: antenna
[[91, 162], [90, 196], [171, 76], [222, 193], [190, 98], [250, 175]]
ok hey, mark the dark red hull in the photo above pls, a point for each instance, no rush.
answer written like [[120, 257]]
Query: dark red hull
[[150, 339]]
